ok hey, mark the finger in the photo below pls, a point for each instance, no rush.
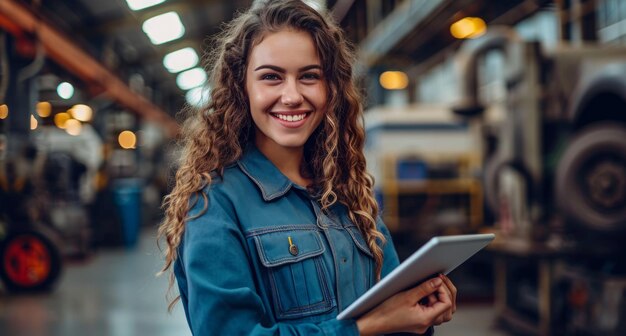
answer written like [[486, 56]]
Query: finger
[[441, 305], [447, 297], [444, 295], [432, 299], [426, 288], [452, 288], [439, 320]]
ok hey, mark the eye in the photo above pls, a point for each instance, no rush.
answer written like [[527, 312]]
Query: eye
[[270, 76], [310, 76]]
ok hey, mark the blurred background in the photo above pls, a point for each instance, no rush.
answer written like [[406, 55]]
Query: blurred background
[[503, 116]]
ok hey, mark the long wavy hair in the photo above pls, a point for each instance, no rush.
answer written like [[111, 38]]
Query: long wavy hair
[[214, 136]]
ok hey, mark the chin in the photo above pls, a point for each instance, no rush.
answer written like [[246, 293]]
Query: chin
[[292, 144]]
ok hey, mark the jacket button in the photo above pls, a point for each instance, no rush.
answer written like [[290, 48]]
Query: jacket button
[[293, 249]]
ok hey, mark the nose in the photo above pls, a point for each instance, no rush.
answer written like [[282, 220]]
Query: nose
[[291, 95]]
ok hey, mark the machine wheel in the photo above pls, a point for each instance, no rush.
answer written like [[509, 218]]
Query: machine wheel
[[494, 169], [591, 179], [29, 261], [490, 182]]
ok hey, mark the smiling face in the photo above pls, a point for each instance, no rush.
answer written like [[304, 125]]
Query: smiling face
[[286, 90]]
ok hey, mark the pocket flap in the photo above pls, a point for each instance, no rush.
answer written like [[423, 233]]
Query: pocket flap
[[359, 240], [275, 247]]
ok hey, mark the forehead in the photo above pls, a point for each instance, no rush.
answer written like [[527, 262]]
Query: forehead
[[284, 47]]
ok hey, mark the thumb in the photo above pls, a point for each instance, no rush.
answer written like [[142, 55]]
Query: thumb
[[425, 289]]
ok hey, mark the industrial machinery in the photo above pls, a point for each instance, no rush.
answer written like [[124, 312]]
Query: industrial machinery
[[30, 257], [564, 135], [556, 179], [423, 160]]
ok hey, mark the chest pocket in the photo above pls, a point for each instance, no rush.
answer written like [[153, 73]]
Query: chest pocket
[[297, 278]]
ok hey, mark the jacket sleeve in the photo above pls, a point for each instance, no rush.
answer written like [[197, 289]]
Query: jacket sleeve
[[216, 280], [390, 262], [390, 256]]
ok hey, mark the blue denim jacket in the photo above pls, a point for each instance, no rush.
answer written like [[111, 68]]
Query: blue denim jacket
[[265, 260]]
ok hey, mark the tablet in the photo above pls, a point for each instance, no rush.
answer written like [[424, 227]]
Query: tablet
[[440, 255]]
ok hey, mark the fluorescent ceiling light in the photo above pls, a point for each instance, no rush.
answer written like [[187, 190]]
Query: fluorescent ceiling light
[[163, 28], [141, 4], [318, 5], [180, 60], [191, 78], [198, 96]]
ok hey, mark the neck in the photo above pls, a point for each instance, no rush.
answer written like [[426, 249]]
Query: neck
[[287, 159]]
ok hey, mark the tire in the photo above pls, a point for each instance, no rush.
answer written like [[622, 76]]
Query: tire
[[490, 183], [590, 182], [29, 261], [493, 171]]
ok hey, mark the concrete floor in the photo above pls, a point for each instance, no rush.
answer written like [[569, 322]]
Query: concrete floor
[[115, 293]]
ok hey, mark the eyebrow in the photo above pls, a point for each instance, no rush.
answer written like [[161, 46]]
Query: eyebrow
[[281, 70]]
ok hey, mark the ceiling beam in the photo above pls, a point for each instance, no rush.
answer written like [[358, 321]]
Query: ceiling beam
[[68, 54], [398, 24], [341, 8]]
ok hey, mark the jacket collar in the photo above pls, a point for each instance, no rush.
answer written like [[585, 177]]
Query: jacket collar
[[264, 174]]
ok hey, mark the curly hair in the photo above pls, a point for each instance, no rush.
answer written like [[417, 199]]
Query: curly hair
[[214, 136]]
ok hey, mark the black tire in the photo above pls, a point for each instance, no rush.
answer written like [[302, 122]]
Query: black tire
[[590, 182], [29, 262]]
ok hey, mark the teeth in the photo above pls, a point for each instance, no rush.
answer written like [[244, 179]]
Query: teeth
[[291, 117]]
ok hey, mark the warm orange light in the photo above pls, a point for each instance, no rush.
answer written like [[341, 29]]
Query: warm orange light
[[127, 139], [468, 27], [44, 109], [81, 112], [4, 111], [33, 122], [73, 127], [394, 80], [61, 118]]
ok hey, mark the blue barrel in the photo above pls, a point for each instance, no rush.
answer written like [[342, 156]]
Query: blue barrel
[[127, 194]]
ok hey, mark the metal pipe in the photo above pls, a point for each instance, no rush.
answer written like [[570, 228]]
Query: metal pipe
[[496, 38]]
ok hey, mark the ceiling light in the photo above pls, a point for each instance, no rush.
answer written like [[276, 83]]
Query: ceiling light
[[33, 122], [61, 118], [163, 28], [65, 90], [191, 78], [4, 111], [318, 5], [180, 60], [127, 139], [198, 96], [43, 109], [81, 112], [468, 27], [141, 4], [394, 80], [73, 127]]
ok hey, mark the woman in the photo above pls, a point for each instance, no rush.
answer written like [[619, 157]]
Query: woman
[[272, 227]]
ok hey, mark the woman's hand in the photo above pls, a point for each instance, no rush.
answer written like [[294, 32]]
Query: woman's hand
[[415, 310], [449, 286]]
